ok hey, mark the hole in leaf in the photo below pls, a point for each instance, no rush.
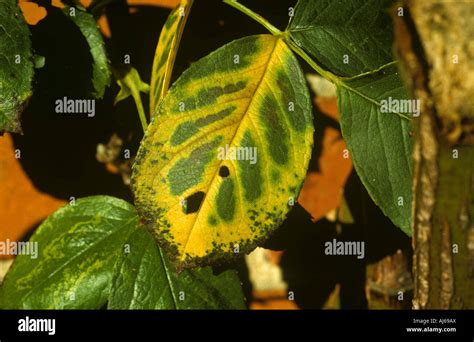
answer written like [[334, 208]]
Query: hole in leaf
[[193, 202], [224, 171]]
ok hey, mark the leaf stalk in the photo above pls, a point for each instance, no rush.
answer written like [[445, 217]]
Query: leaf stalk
[[257, 17]]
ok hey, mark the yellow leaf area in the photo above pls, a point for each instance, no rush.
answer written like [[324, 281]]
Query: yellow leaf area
[[224, 159], [165, 53]]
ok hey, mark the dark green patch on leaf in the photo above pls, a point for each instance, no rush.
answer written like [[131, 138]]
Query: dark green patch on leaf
[[188, 171], [277, 137], [250, 174], [225, 200], [188, 129], [209, 96], [248, 48]]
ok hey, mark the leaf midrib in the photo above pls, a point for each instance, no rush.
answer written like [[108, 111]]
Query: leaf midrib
[[276, 41]]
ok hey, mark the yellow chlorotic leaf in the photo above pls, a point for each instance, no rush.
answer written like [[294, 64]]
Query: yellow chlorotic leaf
[[165, 53], [223, 160]]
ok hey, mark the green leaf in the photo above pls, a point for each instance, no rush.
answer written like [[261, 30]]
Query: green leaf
[[100, 68], [203, 202], [165, 53], [78, 246], [145, 279], [83, 263], [130, 83], [16, 66], [348, 37], [379, 142]]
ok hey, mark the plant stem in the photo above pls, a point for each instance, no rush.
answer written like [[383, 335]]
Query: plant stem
[[338, 81], [141, 112], [276, 32], [257, 17], [300, 52]]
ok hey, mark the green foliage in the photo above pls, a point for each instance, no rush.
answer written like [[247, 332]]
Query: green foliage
[[16, 66], [77, 249], [349, 43], [82, 246], [100, 65], [380, 143], [131, 84], [145, 279], [203, 207], [345, 37], [354, 38]]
